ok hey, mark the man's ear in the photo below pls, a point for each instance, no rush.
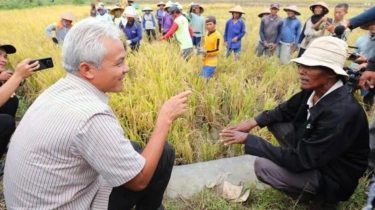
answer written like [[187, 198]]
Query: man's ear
[[86, 70]]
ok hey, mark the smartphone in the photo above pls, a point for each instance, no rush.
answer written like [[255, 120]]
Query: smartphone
[[329, 20], [44, 63]]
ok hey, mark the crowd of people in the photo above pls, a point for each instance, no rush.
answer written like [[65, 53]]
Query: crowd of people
[[70, 152]]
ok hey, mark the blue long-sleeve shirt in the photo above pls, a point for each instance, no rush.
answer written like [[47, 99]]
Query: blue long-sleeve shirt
[[270, 29], [291, 30], [365, 17], [234, 30], [132, 32]]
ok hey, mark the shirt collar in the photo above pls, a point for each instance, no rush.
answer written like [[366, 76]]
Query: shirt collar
[[337, 85], [78, 81]]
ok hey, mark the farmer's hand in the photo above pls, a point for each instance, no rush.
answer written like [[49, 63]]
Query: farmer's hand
[[174, 107], [128, 42], [329, 27], [55, 40], [265, 44], [361, 66], [24, 69], [367, 80], [246, 126], [226, 44], [324, 18], [273, 47], [233, 137], [5, 75], [360, 59], [234, 39]]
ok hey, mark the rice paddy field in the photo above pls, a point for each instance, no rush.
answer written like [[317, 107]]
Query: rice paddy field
[[239, 90]]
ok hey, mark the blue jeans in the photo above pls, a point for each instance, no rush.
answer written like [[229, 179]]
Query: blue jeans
[[284, 52], [208, 71], [236, 52], [197, 41]]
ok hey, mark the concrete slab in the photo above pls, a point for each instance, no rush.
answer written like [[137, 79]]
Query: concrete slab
[[187, 180]]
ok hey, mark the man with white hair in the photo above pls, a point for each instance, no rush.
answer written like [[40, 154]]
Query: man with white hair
[[322, 131], [69, 150]]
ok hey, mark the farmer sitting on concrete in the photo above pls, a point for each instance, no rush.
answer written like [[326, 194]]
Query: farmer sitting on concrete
[[69, 150], [9, 82], [61, 28], [322, 131]]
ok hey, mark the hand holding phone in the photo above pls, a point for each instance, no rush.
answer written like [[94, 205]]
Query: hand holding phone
[[44, 63]]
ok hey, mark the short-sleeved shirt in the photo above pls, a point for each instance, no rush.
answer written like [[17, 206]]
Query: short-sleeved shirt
[[67, 142], [182, 33]]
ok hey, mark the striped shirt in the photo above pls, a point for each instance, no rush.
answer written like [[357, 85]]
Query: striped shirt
[[67, 147]]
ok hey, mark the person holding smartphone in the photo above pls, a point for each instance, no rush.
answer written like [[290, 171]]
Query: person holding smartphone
[[9, 82]]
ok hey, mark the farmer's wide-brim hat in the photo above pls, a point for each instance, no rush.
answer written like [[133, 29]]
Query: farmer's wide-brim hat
[[113, 10], [325, 51], [147, 9], [9, 49], [168, 5], [265, 11], [68, 16], [238, 9], [293, 8], [367, 26], [160, 3], [322, 4], [197, 5]]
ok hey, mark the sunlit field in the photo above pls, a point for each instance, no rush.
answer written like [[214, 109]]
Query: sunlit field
[[239, 90]]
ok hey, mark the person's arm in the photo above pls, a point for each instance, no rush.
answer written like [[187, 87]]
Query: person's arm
[[330, 137], [153, 21], [217, 50], [242, 32], [49, 30], [365, 17], [191, 32], [302, 34], [261, 31], [226, 32], [143, 22], [297, 34], [171, 31], [318, 25], [139, 34], [278, 38]]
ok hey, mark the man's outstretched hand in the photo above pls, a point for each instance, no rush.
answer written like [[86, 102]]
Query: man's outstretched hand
[[246, 126], [233, 137]]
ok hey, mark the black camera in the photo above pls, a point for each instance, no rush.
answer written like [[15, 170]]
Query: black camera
[[353, 56], [352, 82]]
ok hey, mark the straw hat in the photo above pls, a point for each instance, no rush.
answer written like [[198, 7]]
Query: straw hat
[[238, 9], [68, 16], [265, 11], [168, 4], [160, 3], [292, 8], [112, 12], [197, 5], [147, 9], [321, 3], [326, 51]]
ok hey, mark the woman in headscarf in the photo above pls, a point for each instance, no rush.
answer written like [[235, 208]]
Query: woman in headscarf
[[308, 34]]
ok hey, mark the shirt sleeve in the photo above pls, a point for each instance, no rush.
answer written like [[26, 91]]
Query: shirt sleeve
[[278, 38], [226, 32], [297, 33], [243, 31], [139, 34], [102, 144], [363, 18], [216, 51], [261, 30], [49, 30]]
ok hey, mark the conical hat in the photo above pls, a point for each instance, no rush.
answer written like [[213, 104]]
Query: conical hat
[[238, 9], [265, 11], [147, 9], [112, 12], [68, 16], [168, 4], [293, 8], [160, 3], [321, 3], [195, 5]]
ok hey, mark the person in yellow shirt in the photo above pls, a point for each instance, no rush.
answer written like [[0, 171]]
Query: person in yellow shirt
[[211, 49]]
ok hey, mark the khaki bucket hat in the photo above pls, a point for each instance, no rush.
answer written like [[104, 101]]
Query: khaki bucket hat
[[292, 8], [160, 3], [238, 9], [265, 11], [325, 51], [68, 16], [112, 12], [321, 3]]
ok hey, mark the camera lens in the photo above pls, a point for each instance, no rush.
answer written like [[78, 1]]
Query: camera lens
[[49, 63]]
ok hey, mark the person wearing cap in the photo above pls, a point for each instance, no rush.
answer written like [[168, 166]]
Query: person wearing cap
[[69, 150], [327, 25], [235, 30], [182, 30], [9, 82], [167, 20], [322, 132], [290, 32], [61, 28], [160, 14], [132, 31], [270, 32], [116, 12], [308, 33], [211, 49], [103, 15], [197, 23], [149, 23], [264, 12]]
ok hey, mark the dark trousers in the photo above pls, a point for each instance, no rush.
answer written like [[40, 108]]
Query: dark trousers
[[159, 24], [7, 123], [149, 32], [301, 51], [151, 197], [303, 186]]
